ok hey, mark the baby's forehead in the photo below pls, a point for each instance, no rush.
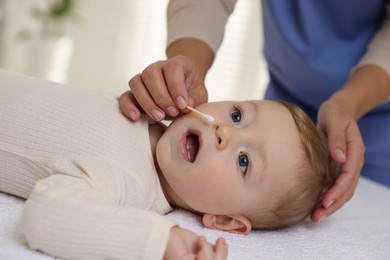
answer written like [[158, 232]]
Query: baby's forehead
[[277, 134], [272, 109], [265, 102]]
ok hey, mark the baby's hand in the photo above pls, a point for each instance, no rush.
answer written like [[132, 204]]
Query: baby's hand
[[163, 89], [184, 244]]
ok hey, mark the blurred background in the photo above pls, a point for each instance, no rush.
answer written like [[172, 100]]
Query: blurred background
[[101, 44]]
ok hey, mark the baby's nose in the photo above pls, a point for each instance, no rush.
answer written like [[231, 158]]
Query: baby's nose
[[222, 134]]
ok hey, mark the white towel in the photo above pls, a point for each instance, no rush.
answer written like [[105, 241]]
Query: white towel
[[360, 230], [13, 246]]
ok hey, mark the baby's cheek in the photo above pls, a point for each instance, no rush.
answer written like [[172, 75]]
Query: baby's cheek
[[216, 196]]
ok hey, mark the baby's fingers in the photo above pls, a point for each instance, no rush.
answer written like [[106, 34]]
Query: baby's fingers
[[221, 249], [207, 251]]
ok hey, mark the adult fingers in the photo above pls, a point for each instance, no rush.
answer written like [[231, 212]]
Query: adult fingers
[[322, 212], [129, 106], [185, 83], [343, 199], [176, 73], [144, 99], [156, 82], [334, 128], [346, 183]]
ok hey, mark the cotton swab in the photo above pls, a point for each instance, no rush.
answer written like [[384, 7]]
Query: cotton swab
[[207, 117]]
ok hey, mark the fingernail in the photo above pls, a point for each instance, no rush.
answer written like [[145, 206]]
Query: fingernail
[[340, 154], [329, 204], [132, 114], [321, 218], [172, 111], [157, 114], [181, 103]]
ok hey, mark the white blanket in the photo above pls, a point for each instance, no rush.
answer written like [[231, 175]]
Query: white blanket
[[360, 230]]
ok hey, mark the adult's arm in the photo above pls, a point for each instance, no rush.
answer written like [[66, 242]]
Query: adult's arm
[[164, 88], [367, 87], [378, 51], [196, 29], [198, 19]]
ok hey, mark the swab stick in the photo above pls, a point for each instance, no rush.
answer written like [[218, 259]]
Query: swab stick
[[207, 117]]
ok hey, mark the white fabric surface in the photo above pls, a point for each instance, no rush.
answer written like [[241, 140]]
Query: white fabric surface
[[360, 230]]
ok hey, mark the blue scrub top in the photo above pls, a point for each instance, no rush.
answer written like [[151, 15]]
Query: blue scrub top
[[310, 47]]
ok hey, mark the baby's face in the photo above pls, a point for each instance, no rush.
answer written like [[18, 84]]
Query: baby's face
[[243, 159]]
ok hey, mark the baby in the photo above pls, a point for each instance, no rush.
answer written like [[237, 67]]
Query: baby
[[97, 184]]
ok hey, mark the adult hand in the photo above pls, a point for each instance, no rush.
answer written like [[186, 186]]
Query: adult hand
[[164, 88], [184, 244], [346, 148]]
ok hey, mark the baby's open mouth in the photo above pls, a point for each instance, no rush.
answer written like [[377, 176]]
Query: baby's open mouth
[[192, 146]]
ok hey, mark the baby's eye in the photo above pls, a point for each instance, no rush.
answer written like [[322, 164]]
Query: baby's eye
[[243, 162], [236, 115]]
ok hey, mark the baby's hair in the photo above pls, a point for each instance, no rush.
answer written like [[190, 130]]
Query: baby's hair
[[314, 178]]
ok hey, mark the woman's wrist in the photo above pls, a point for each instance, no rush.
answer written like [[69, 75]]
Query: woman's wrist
[[197, 51], [367, 87]]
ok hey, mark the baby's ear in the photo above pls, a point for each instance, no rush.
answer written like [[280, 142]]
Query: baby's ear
[[230, 223]]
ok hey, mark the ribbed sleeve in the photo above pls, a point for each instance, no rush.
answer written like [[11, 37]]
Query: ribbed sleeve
[[71, 218], [201, 19]]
